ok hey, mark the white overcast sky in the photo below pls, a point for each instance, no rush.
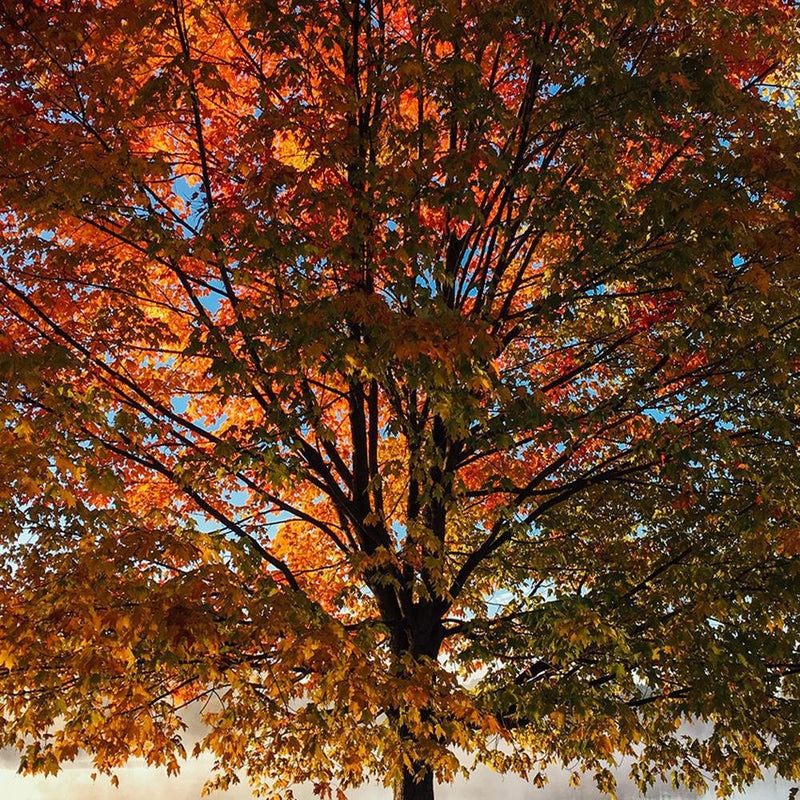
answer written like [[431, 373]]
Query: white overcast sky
[[142, 783], [139, 782]]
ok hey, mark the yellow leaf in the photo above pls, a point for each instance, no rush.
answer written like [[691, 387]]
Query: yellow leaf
[[605, 746]]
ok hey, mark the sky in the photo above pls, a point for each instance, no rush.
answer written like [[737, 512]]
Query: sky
[[142, 783], [139, 782]]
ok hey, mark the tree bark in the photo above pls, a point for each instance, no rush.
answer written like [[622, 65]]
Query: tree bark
[[418, 633], [410, 787]]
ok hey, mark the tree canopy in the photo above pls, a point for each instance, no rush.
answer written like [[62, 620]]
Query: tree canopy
[[413, 383]]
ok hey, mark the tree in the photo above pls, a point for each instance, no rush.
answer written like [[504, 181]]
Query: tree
[[406, 380]]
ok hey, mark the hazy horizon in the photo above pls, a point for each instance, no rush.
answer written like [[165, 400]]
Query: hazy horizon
[[137, 780]]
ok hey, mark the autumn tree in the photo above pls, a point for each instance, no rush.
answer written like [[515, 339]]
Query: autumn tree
[[413, 383]]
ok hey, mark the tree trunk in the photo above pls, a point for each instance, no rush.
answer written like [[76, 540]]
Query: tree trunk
[[409, 788], [419, 634]]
